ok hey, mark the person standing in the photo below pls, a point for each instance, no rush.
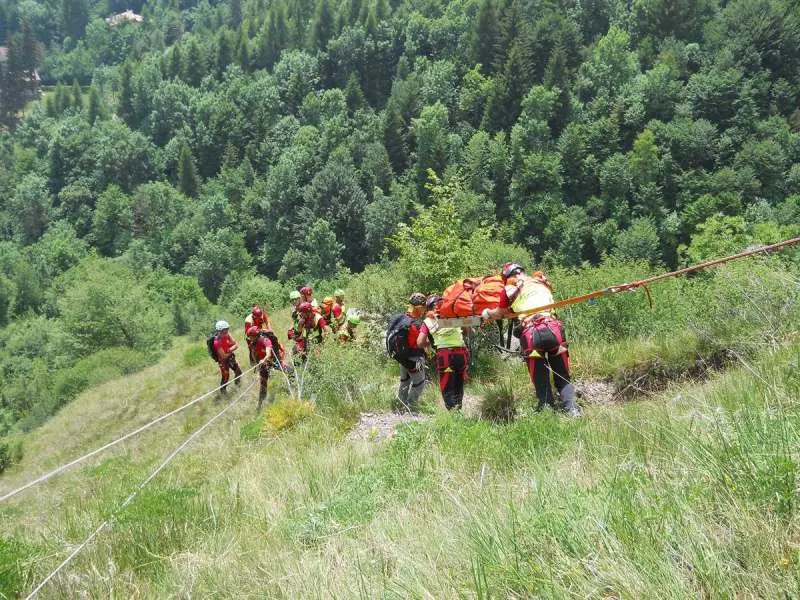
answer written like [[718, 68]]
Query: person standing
[[225, 348], [401, 344], [263, 353], [259, 318], [452, 356], [543, 343]]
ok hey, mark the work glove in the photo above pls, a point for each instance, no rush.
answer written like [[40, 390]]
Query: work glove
[[485, 314]]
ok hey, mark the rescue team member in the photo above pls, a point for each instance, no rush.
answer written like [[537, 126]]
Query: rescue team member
[[412, 369], [263, 353], [310, 325], [452, 356], [348, 332], [338, 296], [332, 312], [260, 319], [295, 298], [543, 342], [307, 294], [224, 348]]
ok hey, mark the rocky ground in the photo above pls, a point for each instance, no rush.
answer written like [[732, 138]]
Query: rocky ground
[[378, 427]]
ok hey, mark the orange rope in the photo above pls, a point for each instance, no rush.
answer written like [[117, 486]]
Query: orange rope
[[643, 283]]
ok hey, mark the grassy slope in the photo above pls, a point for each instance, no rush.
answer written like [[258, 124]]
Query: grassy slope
[[691, 492]]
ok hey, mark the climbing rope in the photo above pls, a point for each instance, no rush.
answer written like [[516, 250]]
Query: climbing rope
[[643, 283], [134, 494], [113, 443]]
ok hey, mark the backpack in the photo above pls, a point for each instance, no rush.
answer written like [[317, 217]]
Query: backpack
[[397, 337], [210, 344], [468, 297], [327, 306]]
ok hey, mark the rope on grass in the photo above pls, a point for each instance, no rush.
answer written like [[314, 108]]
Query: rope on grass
[[113, 443], [133, 495]]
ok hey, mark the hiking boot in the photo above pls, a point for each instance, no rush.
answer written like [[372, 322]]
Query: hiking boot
[[574, 412]]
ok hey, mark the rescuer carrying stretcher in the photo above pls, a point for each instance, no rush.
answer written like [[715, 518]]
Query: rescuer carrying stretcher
[[542, 339]]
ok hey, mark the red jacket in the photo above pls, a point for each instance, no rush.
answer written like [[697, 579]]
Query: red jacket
[[223, 344], [260, 347]]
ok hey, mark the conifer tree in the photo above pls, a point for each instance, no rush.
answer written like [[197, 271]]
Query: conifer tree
[[187, 173], [12, 92], [95, 105], [74, 18], [175, 62], [354, 94], [31, 57], [77, 95], [556, 76], [193, 67], [236, 13], [324, 26], [126, 109], [486, 36], [394, 138], [62, 101], [243, 50], [224, 52]]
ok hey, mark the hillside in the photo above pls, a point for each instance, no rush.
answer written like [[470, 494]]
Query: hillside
[[168, 164], [689, 491], [296, 139]]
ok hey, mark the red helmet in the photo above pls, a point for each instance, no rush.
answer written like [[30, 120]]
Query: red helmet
[[511, 268], [305, 307], [253, 331], [306, 290], [258, 311]]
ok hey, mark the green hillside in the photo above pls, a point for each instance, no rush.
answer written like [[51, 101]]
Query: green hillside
[[190, 159], [690, 491]]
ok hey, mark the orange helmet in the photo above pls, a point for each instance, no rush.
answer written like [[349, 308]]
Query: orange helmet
[[253, 331]]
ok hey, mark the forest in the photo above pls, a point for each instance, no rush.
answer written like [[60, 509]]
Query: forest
[[150, 166]]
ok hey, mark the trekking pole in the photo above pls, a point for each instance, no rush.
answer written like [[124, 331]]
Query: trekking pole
[[643, 283]]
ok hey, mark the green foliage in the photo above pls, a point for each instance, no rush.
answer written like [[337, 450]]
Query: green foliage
[[15, 566], [219, 253], [440, 244], [239, 294], [103, 304]]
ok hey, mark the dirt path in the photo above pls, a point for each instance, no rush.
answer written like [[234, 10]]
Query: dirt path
[[377, 427]]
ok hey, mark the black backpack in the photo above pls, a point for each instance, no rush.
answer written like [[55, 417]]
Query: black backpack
[[397, 337], [210, 344]]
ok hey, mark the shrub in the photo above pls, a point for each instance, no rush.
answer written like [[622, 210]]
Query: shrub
[[286, 413], [500, 403], [347, 378], [240, 292]]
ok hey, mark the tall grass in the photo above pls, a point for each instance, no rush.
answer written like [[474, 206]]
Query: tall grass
[[691, 491]]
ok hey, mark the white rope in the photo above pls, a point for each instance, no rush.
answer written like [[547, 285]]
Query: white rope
[[133, 495], [113, 443]]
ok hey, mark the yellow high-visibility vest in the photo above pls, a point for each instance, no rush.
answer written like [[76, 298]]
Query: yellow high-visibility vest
[[532, 295]]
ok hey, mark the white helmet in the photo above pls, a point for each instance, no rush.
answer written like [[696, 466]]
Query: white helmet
[[222, 325]]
